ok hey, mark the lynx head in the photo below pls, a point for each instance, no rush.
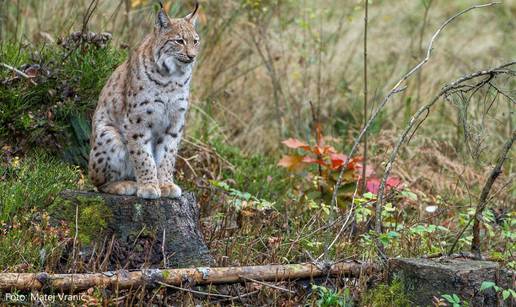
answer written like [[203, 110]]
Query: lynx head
[[176, 41]]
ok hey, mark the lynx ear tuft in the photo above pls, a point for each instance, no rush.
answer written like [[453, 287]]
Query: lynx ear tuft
[[192, 17], [162, 20]]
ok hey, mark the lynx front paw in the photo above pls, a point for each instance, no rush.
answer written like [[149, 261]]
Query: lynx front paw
[[149, 191], [170, 190]]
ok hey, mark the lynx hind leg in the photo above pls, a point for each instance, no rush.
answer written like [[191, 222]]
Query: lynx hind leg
[[109, 166], [125, 187], [148, 191], [170, 190], [166, 160]]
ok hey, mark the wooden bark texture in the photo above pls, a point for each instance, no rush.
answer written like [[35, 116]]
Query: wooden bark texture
[[150, 233], [179, 277], [426, 278]]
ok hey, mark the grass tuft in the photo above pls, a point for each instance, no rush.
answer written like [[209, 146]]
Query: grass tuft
[[33, 182]]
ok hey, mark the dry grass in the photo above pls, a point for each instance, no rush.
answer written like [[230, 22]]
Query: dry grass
[[313, 49]]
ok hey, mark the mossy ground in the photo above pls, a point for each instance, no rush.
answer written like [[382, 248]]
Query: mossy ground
[[386, 295]]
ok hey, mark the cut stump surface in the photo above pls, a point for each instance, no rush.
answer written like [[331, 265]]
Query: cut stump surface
[[426, 278], [150, 233]]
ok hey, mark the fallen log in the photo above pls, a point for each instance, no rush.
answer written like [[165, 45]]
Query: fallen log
[[193, 276]]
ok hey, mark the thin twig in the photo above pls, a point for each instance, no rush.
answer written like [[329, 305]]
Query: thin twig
[[19, 72], [344, 225], [239, 297], [457, 238], [427, 6], [76, 233], [187, 162], [193, 291], [446, 91], [364, 166], [396, 89], [268, 285], [503, 93], [163, 250], [482, 203], [89, 12]]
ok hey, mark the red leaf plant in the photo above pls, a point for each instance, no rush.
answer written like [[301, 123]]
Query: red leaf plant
[[330, 162]]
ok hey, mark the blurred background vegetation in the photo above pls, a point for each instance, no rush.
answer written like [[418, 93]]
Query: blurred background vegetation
[[263, 61], [267, 69]]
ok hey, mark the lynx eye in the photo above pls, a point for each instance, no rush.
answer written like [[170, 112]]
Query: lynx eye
[[179, 41], [196, 41]]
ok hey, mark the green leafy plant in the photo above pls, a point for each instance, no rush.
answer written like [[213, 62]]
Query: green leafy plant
[[454, 300], [328, 297], [33, 182], [243, 200], [506, 293], [50, 108]]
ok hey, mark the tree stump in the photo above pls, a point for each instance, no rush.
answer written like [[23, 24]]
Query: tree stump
[[148, 233], [426, 278]]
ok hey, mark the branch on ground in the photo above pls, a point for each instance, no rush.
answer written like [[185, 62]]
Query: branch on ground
[[177, 277]]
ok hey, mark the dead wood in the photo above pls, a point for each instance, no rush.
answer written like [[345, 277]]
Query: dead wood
[[148, 233], [178, 277], [482, 203], [425, 279]]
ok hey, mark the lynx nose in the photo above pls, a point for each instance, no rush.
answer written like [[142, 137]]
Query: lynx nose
[[191, 57]]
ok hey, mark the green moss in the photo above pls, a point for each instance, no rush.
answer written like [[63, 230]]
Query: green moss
[[91, 213], [385, 295]]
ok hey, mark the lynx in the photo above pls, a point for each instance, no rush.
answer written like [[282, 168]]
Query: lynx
[[140, 115]]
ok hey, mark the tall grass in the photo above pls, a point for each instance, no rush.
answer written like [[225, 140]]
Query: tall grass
[[268, 70], [264, 61]]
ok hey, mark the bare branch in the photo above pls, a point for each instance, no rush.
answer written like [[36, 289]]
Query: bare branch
[[497, 170], [176, 277], [396, 89], [19, 72], [453, 87]]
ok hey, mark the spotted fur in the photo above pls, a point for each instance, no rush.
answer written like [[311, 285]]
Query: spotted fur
[[140, 115]]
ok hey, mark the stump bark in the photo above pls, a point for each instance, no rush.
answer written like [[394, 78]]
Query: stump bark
[[426, 278], [149, 233]]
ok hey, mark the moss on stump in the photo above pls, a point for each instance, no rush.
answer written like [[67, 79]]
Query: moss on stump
[[138, 233]]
